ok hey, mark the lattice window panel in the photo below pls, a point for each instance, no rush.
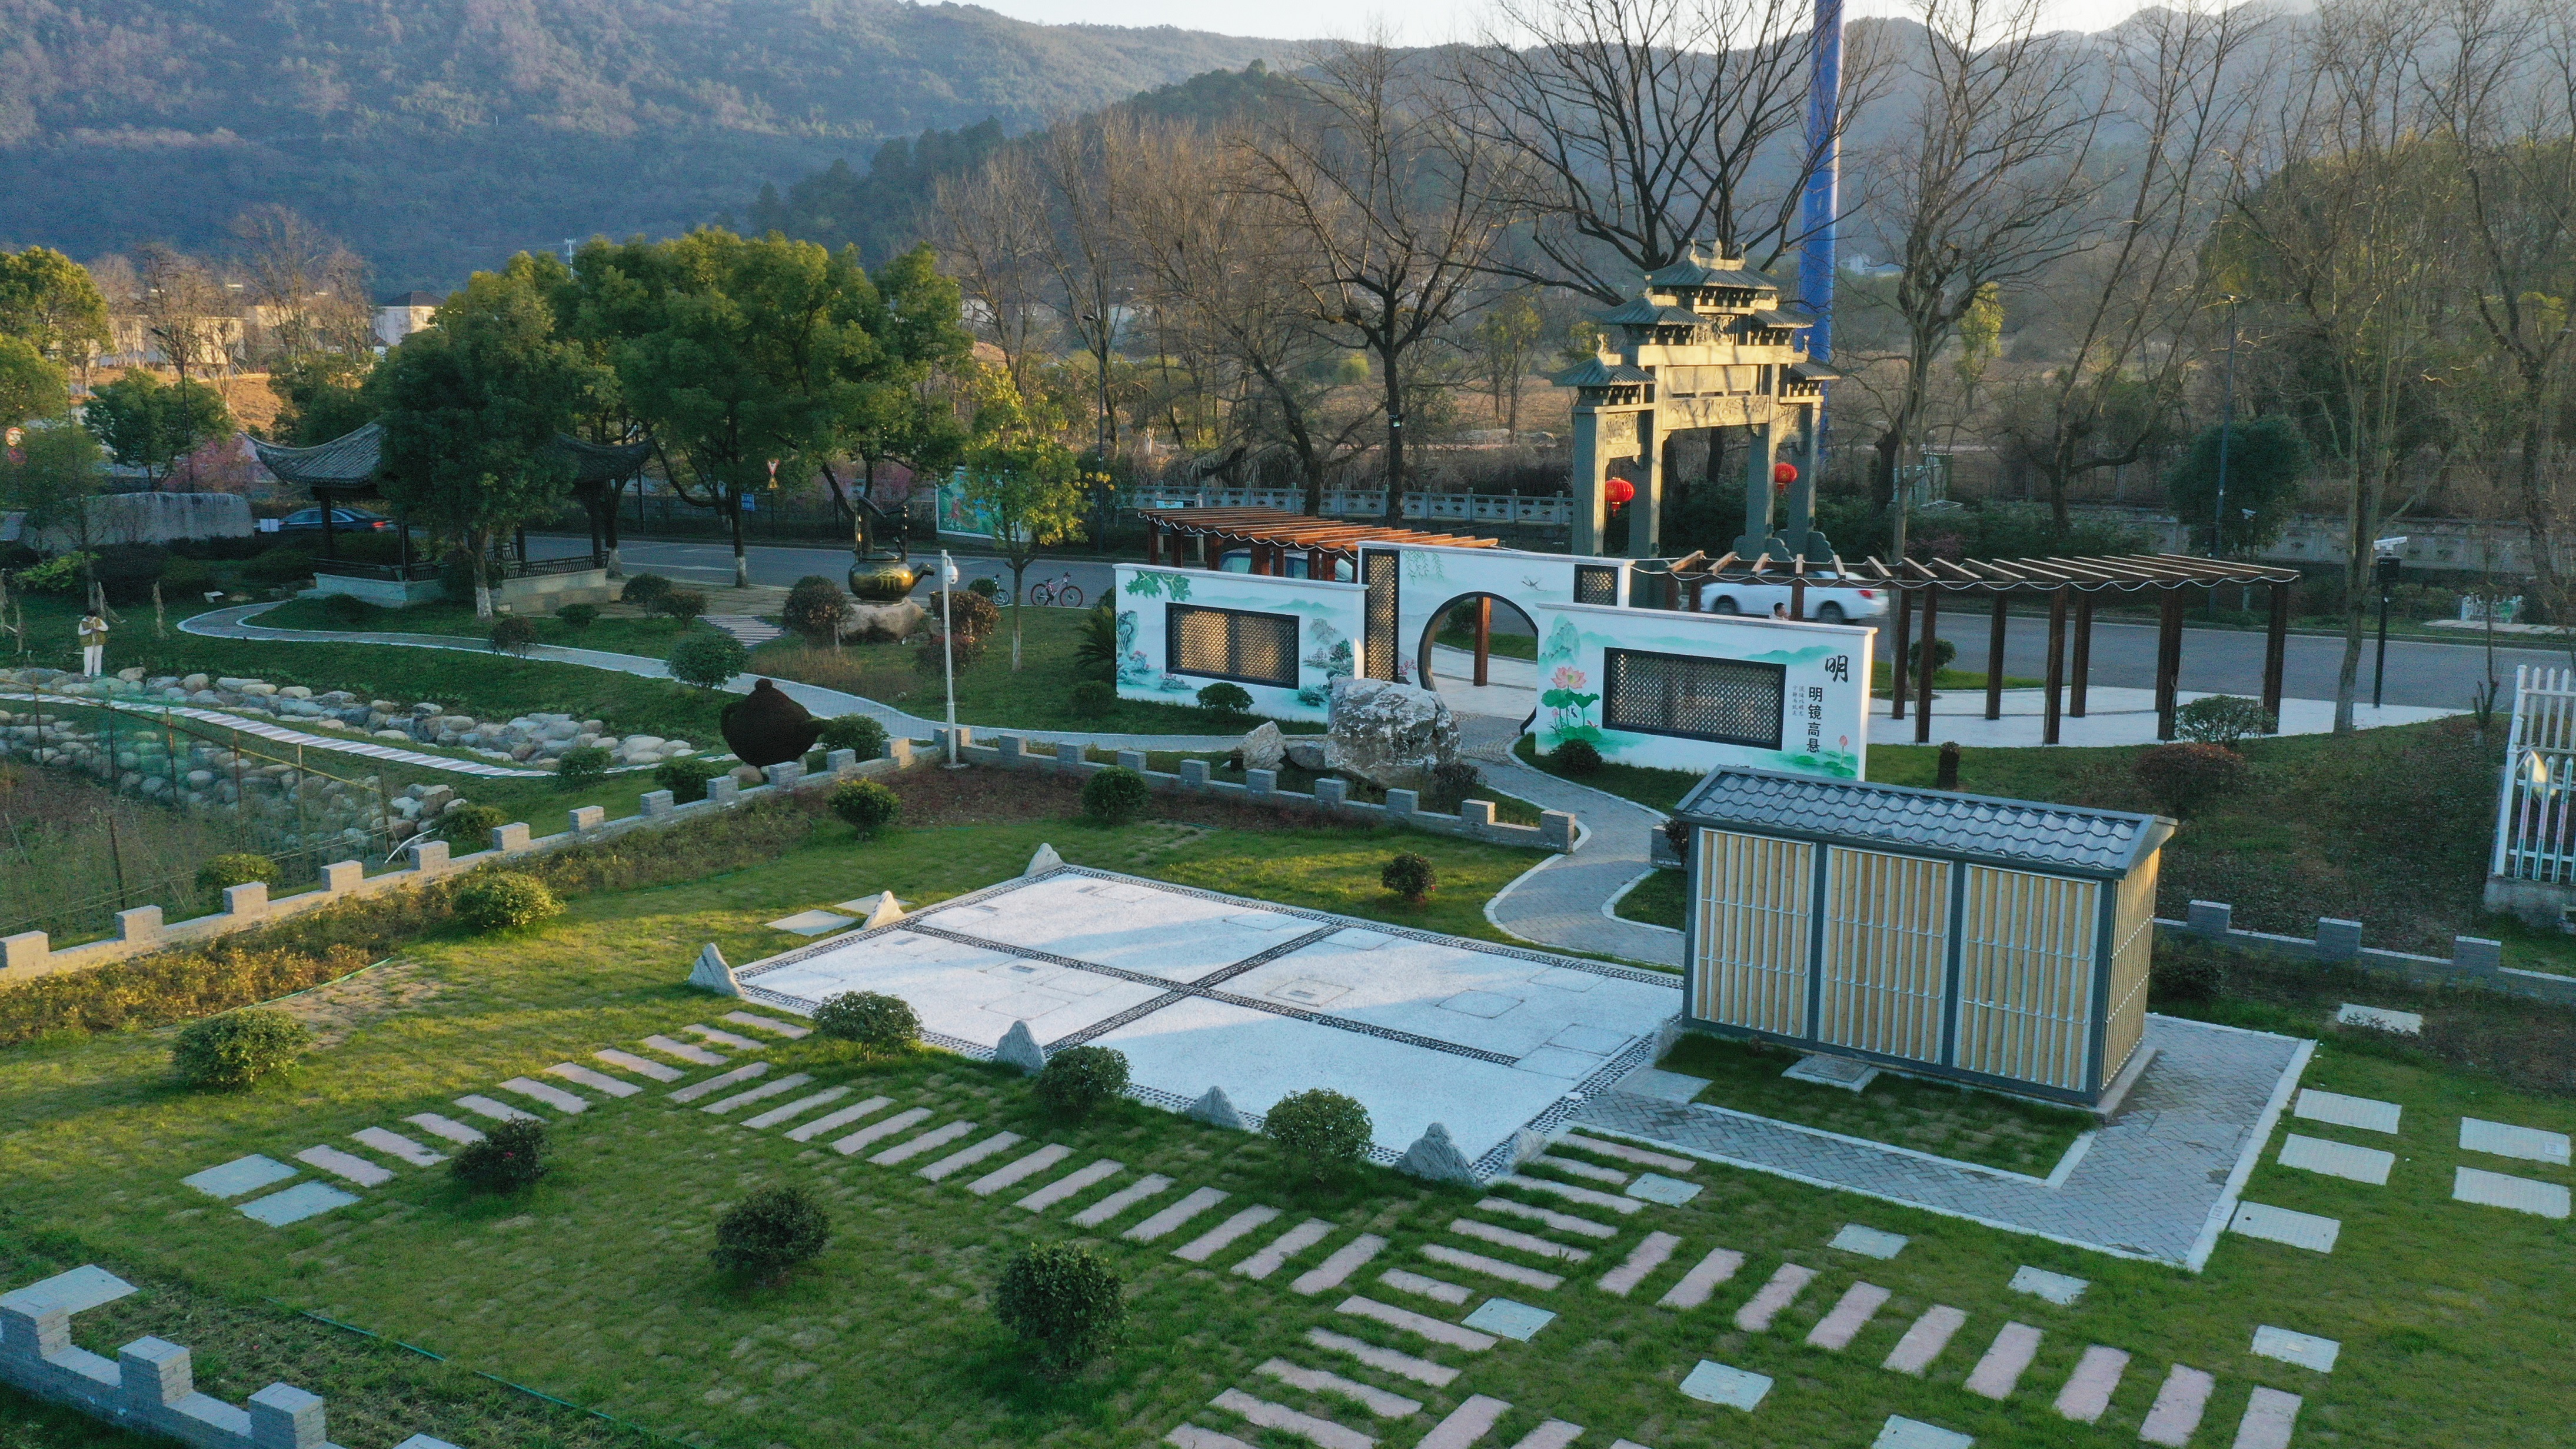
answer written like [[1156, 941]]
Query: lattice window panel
[[1379, 570], [1596, 584], [1731, 701], [1233, 644]]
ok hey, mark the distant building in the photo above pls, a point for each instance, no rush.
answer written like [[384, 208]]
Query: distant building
[[402, 316]]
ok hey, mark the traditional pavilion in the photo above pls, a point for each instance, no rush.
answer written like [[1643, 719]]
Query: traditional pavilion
[[347, 470]]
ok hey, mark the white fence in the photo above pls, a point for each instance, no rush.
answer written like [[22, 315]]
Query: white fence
[[2536, 810], [1371, 503]]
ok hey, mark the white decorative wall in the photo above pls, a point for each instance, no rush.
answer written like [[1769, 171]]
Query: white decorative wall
[[1327, 616]]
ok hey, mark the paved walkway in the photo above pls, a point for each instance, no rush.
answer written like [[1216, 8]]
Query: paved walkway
[[345, 744], [1564, 901]]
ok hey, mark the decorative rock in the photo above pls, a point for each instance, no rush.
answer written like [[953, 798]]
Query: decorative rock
[[1216, 1111], [1265, 748], [712, 974], [1392, 734], [1435, 1156], [885, 912], [1043, 861], [766, 728], [1020, 1049]]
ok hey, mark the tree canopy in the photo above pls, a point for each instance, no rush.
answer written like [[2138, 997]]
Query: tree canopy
[[49, 301], [149, 424]]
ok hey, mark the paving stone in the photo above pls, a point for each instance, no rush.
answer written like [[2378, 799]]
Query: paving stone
[[72, 1292], [696, 1055], [2057, 1288], [720, 1081], [2001, 1369], [1197, 1201], [1019, 1169], [1529, 1243], [1207, 1244], [641, 1066], [395, 1145], [2281, 1225], [1317, 1381], [1924, 1341], [580, 1075], [482, 1106], [808, 1131], [1702, 1280], [1716, 1383], [345, 1164], [1851, 1313], [2381, 1018], [2086, 1395], [1653, 1252], [2336, 1109], [1191, 1436], [1573, 1167], [447, 1127], [735, 1040], [2503, 1139], [1420, 1325], [1554, 1434], [1561, 1222], [2498, 1189], [1663, 1085], [2304, 1349], [812, 923], [1321, 1432], [1466, 1424], [1507, 1319], [241, 1175], [1869, 1242], [1065, 1187], [1386, 1360], [874, 1132], [934, 1138], [1779, 1293], [1654, 1187], [1121, 1200], [304, 1200], [2337, 1159], [1404, 1280], [1333, 1271], [1571, 1193], [798, 1108], [2178, 1407], [1460, 1258], [2269, 1417], [1275, 1253], [1626, 1153], [967, 1157], [1824, 1069], [555, 1097], [1900, 1432]]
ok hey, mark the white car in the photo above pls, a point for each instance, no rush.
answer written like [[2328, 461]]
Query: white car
[[1839, 604]]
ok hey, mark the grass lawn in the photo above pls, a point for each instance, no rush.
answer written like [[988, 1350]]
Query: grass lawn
[[1944, 682], [1661, 899], [1655, 789], [1498, 644]]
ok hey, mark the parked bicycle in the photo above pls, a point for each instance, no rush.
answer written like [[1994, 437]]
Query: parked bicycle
[[1060, 594]]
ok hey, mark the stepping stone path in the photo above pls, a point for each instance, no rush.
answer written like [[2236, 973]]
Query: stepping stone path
[[1584, 1170], [2281, 1225], [2337, 1159], [580, 1075], [2269, 1415], [1335, 1270], [241, 1175], [1783, 1290], [1026, 1167], [1996, 1375], [2087, 1394], [762, 1093], [1466, 1424], [1284, 1247], [1316, 1381], [1561, 1222], [304, 1200], [2178, 1407], [2304, 1349], [1057, 1191], [2338, 1110], [2499, 1189], [959, 1161], [1655, 1250], [640, 1066], [1121, 1200], [1416, 1324], [396, 1145], [859, 1141], [694, 1055], [1903, 1433], [1654, 1187], [343, 1164], [725, 1038], [787, 1029], [1508, 1319], [1626, 1153], [2057, 1288], [1405, 1281], [795, 1109], [1717, 1383], [1322, 1432], [1571, 1193], [1198, 1200], [1702, 1280], [1209, 1243], [447, 1127], [1403, 1365], [1459, 1258], [555, 1097], [712, 1085], [1859, 1304], [2503, 1139], [482, 1106], [935, 1137], [807, 1132], [1923, 1342], [1529, 1243], [1869, 1242]]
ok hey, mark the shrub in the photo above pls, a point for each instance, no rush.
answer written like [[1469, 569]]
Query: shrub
[[1064, 1303], [1226, 699], [578, 617], [2182, 778], [931, 660], [223, 872], [238, 1048], [858, 733], [1097, 650], [816, 608], [2186, 974], [1576, 758], [1319, 1131], [972, 615], [583, 766], [644, 590], [865, 805], [511, 1156], [185, 576], [279, 567], [513, 635], [1081, 1080], [1943, 651], [127, 571], [686, 777], [870, 1019], [470, 827], [347, 609], [1092, 698], [772, 1231], [1410, 876], [707, 658], [2224, 719], [504, 900], [1115, 796], [1451, 782], [684, 605], [989, 588]]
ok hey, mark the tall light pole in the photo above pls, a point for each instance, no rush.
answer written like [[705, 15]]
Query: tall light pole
[[1823, 200], [2226, 427], [948, 647]]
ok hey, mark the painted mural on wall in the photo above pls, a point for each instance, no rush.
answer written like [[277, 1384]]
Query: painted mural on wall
[[1822, 717], [1320, 619], [1431, 579]]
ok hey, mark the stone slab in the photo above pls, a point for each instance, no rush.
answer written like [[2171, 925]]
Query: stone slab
[[777, 1087], [1070, 1184], [2178, 1407], [346, 1165], [1625, 1153], [1573, 1167], [2381, 1018], [1335, 1270], [1019, 1169], [1318, 1381], [2503, 1139], [482, 1106], [1195, 1202], [2282, 1225], [1520, 1242], [1554, 1434], [2337, 1159], [74, 1291], [1571, 1193], [640, 1066], [1404, 1280], [580, 1075], [1924, 1341], [1703, 1279], [1121, 1200], [1716, 1383], [2503, 1190], [1850, 1314], [721, 1080], [2304, 1349], [447, 1127], [2086, 1396], [555, 1097], [2057, 1288], [241, 1175], [1323, 1433], [1654, 1187], [966, 1157], [1560, 1222], [1651, 1253], [2336, 1109], [1466, 1424], [1782, 1290], [815, 922], [694, 1055], [1900, 1432], [1869, 1242], [397, 1146], [1507, 1319], [1824, 1069], [1387, 1360], [2000, 1371], [936, 1137], [1191, 1436], [1207, 1245], [304, 1200], [1276, 1253], [789, 1112], [2270, 1415], [1663, 1085], [772, 1025], [735, 1040], [1514, 1273], [874, 1132], [840, 1117], [1418, 1324]]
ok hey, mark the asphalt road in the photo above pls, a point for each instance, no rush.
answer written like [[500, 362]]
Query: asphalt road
[[2439, 675]]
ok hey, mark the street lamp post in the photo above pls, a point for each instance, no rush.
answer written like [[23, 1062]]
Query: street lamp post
[[948, 646], [2226, 429]]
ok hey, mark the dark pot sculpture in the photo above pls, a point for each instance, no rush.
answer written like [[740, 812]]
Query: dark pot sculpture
[[767, 728]]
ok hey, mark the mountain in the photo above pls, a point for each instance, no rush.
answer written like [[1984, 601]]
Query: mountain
[[437, 136]]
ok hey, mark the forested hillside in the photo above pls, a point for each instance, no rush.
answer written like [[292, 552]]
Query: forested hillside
[[440, 135]]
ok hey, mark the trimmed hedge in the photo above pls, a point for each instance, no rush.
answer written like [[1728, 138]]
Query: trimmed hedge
[[238, 1048]]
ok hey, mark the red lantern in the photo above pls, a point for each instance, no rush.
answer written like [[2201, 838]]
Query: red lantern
[[1618, 491], [1784, 473]]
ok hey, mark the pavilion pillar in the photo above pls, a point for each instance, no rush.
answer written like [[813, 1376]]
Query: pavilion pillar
[[1484, 635], [2048, 734], [1319, 564], [2081, 671], [2168, 660], [2276, 647], [1591, 520], [1759, 537], [1646, 510], [1928, 664], [1995, 661], [1153, 543], [1904, 602], [330, 535]]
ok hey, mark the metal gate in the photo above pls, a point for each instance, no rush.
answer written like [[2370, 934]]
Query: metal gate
[[2535, 837]]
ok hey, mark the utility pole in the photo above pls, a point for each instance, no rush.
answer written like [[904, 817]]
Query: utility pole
[[2226, 427], [1823, 202]]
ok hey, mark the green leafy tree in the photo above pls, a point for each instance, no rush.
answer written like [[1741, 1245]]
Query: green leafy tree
[[1026, 482], [30, 386], [2266, 458], [320, 395], [48, 301], [893, 415], [50, 476], [146, 423]]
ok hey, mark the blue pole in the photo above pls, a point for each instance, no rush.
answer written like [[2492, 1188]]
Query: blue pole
[[1824, 191]]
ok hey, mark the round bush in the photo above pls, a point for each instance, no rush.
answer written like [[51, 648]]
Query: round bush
[[583, 766], [2182, 778], [2223, 719], [857, 733], [1451, 781], [1064, 1303], [185, 576], [1943, 651], [870, 1019], [347, 609], [772, 1231], [707, 658], [1410, 876], [470, 827], [865, 806], [1116, 795], [504, 900], [815, 608], [989, 588], [1079, 1081], [279, 567], [684, 605], [1319, 1131], [1092, 698], [578, 617], [511, 1156], [686, 777], [226, 871], [238, 1047], [1226, 699], [644, 590], [1576, 758], [972, 615], [513, 635]]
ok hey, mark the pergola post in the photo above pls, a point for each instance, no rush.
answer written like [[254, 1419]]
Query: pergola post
[[2276, 648], [1153, 544], [2082, 668], [2168, 660], [1484, 635], [1896, 661], [1798, 597], [1995, 660], [1928, 665], [2048, 734]]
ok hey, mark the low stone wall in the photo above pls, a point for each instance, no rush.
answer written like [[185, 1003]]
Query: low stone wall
[[2474, 960], [1474, 820]]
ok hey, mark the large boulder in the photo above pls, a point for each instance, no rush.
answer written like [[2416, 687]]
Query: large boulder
[[1264, 748], [1393, 735]]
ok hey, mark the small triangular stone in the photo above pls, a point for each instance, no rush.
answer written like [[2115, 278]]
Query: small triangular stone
[[885, 912], [1435, 1156], [712, 974], [1216, 1111], [1020, 1049], [1045, 860], [1527, 1144]]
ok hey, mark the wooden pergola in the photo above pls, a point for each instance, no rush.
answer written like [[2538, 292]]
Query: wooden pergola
[[2075, 582], [1273, 534]]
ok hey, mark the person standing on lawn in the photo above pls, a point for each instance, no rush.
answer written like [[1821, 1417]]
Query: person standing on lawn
[[93, 639]]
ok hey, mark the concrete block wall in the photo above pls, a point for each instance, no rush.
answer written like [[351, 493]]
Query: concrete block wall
[[2475, 961]]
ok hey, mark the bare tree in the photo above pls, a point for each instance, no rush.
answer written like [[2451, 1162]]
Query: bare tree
[[186, 317], [1086, 165], [310, 288], [992, 237]]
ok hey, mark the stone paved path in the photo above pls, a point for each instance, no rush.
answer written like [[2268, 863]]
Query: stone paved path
[[752, 630], [1561, 902], [344, 743]]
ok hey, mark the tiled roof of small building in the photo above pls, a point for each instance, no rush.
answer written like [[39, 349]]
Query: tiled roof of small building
[[2028, 833]]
